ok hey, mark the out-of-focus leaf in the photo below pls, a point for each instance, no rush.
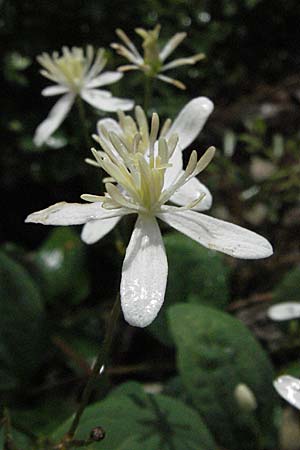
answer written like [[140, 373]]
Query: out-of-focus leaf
[[46, 416], [22, 331], [195, 274], [288, 290], [131, 417], [216, 353], [21, 441], [61, 260]]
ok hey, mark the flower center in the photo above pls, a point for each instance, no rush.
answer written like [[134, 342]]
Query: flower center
[[74, 67], [137, 161], [151, 50]]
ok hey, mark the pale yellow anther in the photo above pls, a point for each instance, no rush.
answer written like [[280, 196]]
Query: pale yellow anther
[[205, 160]]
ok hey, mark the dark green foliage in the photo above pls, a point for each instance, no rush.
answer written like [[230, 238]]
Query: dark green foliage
[[196, 275], [288, 290], [62, 263], [131, 417], [22, 332], [215, 354]]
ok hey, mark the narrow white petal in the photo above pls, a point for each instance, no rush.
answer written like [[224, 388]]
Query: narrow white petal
[[54, 90], [171, 45], [74, 213], [54, 119], [110, 125], [189, 192], [94, 230], [218, 235], [191, 120], [144, 274], [104, 79], [284, 311], [289, 389], [97, 100]]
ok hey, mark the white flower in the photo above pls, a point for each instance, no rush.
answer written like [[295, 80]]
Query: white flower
[[152, 63], [138, 166], [284, 311], [76, 74], [186, 126], [289, 389]]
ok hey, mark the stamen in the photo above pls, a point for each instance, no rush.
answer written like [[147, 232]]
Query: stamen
[[205, 160], [153, 133], [165, 128], [92, 198]]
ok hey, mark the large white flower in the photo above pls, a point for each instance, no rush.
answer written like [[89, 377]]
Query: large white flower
[[76, 73], [137, 171], [152, 63]]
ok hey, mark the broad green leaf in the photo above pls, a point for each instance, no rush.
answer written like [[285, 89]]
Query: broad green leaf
[[21, 441], [196, 275], [146, 422], [61, 260], [215, 354], [22, 331]]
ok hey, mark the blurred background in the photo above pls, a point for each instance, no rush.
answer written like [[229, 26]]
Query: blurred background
[[56, 292]]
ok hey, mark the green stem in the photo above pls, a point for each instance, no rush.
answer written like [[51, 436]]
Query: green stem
[[83, 121], [100, 362], [148, 89]]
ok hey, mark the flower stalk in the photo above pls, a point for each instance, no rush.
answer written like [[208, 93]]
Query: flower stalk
[[97, 369]]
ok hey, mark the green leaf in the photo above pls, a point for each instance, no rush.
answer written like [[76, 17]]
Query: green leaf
[[196, 275], [22, 330], [62, 263], [216, 353], [131, 417], [288, 290]]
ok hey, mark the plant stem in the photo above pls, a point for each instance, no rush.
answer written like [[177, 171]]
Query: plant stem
[[100, 362], [148, 92], [83, 121]]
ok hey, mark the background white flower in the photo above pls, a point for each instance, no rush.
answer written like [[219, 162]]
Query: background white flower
[[289, 389], [284, 311], [76, 73], [152, 63], [136, 185]]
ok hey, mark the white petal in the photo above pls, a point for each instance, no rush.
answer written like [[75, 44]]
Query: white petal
[[54, 119], [104, 79], [191, 120], [218, 235], [110, 125], [284, 311], [289, 389], [189, 192], [173, 172], [74, 213], [94, 230], [97, 100], [144, 274], [54, 90], [171, 45]]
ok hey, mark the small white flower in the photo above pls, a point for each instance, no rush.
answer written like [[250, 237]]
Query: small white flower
[[284, 311], [76, 73], [138, 166], [289, 389], [152, 63]]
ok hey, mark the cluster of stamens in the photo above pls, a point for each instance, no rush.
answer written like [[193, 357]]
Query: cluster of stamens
[[73, 67], [137, 161]]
